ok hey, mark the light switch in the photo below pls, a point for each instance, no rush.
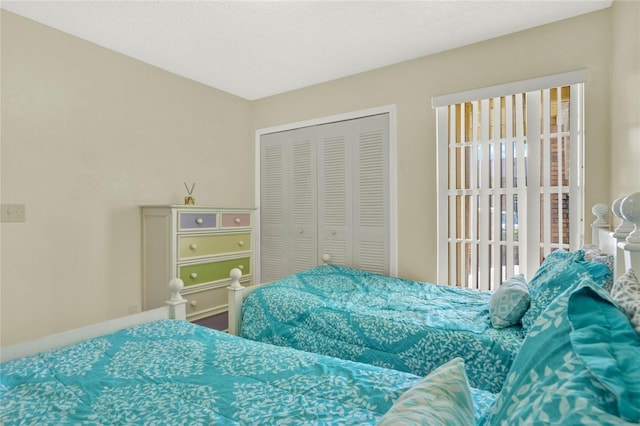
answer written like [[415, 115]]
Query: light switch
[[13, 213]]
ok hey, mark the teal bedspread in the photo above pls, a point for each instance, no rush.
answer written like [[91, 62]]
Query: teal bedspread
[[174, 372], [390, 322]]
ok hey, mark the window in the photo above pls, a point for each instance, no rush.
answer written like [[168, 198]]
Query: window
[[509, 178]]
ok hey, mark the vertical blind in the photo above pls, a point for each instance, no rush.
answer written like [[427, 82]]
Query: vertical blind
[[509, 182]]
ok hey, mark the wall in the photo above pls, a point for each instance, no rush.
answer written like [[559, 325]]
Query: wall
[[87, 136], [625, 99], [583, 42]]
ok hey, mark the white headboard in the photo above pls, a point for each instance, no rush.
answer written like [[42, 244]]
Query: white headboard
[[624, 241]]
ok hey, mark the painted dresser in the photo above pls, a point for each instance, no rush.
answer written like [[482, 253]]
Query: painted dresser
[[200, 245]]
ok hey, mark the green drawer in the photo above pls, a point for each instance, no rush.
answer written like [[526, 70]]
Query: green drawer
[[206, 245], [213, 271]]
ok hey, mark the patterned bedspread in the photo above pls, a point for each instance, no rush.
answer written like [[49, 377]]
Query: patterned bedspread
[[173, 372], [390, 322]]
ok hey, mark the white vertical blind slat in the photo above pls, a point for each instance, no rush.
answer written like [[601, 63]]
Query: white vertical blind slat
[[576, 160], [496, 253], [453, 212], [533, 182], [545, 170], [484, 191], [444, 206], [474, 183], [463, 199], [521, 190], [560, 165], [509, 138]]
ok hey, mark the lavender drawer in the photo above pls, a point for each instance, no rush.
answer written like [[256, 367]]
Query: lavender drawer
[[197, 220]]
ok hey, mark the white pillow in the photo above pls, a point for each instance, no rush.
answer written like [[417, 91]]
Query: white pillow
[[626, 292], [441, 398]]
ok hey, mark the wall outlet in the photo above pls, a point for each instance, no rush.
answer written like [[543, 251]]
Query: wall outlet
[[13, 212]]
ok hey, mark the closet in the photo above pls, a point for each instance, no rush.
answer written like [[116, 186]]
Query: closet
[[324, 189]]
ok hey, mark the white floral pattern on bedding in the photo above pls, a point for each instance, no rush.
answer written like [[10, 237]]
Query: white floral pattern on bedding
[[391, 322], [209, 378], [577, 366], [626, 292]]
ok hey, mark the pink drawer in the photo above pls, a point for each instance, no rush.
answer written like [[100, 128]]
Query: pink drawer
[[235, 220]]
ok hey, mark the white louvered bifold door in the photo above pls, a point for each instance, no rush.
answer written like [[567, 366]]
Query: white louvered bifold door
[[371, 195], [274, 243], [325, 190], [335, 194], [288, 188], [353, 193]]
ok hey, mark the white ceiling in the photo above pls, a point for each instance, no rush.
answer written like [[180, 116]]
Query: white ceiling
[[255, 49]]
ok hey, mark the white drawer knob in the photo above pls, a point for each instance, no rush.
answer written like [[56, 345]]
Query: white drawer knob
[[236, 220], [333, 232], [193, 303], [240, 243], [199, 221], [194, 275], [300, 231], [241, 267], [193, 246]]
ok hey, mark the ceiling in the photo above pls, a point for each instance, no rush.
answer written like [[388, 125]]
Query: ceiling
[[255, 49]]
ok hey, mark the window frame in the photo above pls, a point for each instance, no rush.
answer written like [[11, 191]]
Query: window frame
[[530, 213]]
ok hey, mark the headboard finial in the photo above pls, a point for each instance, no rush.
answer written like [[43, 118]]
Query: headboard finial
[[175, 286], [630, 211], [625, 227], [235, 274], [600, 210]]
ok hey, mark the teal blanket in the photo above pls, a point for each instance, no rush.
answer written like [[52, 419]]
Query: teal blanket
[[174, 372], [391, 322]]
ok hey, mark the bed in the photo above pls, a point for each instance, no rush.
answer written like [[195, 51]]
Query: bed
[[170, 371], [577, 365], [406, 325], [384, 321]]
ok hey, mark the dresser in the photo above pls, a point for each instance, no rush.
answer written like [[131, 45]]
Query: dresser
[[200, 245]]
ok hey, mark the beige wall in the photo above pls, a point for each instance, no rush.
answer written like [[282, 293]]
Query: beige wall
[[580, 43], [625, 99], [88, 135]]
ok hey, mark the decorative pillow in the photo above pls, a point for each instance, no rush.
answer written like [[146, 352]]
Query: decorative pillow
[[577, 365], [626, 292], [509, 302], [559, 271], [441, 398], [594, 254], [603, 339]]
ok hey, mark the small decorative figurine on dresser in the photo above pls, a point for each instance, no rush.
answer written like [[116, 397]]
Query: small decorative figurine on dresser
[[189, 200]]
